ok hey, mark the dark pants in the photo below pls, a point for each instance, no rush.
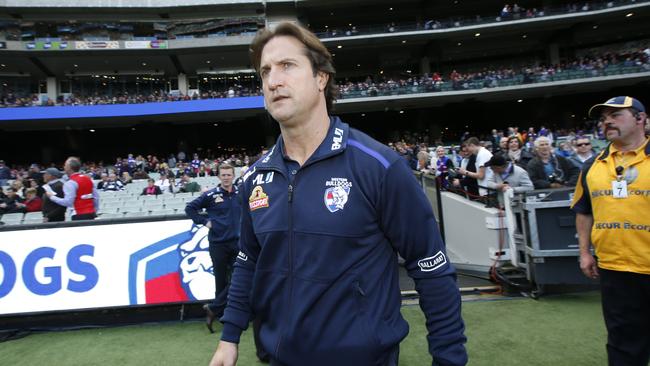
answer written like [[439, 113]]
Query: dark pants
[[90, 216], [626, 309], [223, 255]]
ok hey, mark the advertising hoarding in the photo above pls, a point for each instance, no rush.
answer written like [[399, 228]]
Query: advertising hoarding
[[99, 266]]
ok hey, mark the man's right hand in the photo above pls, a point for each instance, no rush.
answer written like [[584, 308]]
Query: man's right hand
[[226, 354], [588, 265]]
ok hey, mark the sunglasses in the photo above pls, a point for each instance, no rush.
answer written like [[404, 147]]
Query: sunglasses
[[584, 144]]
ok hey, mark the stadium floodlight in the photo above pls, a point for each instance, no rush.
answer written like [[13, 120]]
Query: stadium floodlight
[[477, 34], [629, 15]]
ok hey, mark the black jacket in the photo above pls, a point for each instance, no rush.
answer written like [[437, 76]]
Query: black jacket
[[51, 210], [564, 170]]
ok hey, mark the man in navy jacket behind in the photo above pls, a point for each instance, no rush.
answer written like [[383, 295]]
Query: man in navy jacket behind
[[325, 213], [223, 207]]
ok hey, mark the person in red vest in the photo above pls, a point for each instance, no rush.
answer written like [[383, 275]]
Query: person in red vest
[[78, 192]]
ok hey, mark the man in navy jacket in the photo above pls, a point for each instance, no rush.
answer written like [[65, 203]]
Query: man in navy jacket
[[328, 209], [223, 207]]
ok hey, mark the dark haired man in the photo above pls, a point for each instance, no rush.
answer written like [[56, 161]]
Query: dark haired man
[[53, 212], [584, 151], [79, 192], [328, 210], [223, 207], [613, 214], [482, 172]]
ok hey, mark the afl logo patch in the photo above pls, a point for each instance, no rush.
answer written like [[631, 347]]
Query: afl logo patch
[[258, 199]]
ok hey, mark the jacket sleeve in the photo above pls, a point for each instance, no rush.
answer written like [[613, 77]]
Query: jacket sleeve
[[237, 314], [491, 181], [408, 222], [536, 175], [193, 210], [572, 172], [525, 184]]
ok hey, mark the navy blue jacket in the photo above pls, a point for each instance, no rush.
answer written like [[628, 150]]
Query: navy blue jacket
[[223, 209], [318, 261]]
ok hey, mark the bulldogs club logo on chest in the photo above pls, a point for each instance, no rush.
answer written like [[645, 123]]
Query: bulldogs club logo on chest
[[337, 192]]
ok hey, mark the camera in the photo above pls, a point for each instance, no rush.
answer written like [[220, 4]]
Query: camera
[[452, 173], [555, 179]]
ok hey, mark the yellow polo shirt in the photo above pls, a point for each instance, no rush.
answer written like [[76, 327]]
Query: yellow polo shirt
[[621, 230]]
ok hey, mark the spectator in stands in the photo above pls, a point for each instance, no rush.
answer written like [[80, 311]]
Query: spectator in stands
[[584, 151], [103, 182], [507, 175], [53, 212], [140, 174], [564, 149], [195, 164], [503, 146], [113, 184], [32, 203], [171, 161], [18, 186], [423, 157], [35, 173], [548, 170], [203, 172], [5, 174], [440, 167], [482, 156], [164, 183], [32, 183], [495, 138], [151, 188], [187, 185], [468, 185], [78, 192], [184, 168], [126, 178], [10, 203], [516, 154]]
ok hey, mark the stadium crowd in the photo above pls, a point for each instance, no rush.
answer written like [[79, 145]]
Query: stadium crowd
[[12, 100], [589, 65], [508, 12], [506, 159], [546, 158], [22, 185], [180, 29]]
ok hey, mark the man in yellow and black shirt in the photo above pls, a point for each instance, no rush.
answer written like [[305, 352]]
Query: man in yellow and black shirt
[[612, 205]]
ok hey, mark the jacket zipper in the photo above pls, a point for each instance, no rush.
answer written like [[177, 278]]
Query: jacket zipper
[[290, 258]]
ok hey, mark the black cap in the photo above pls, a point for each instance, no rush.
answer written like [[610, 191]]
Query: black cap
[[497, 160]]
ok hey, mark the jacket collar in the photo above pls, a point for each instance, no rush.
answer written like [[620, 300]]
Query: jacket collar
[[219, 188], [335, 142], [606, 151]]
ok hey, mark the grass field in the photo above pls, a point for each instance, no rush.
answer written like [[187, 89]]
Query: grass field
[[555, 330]]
